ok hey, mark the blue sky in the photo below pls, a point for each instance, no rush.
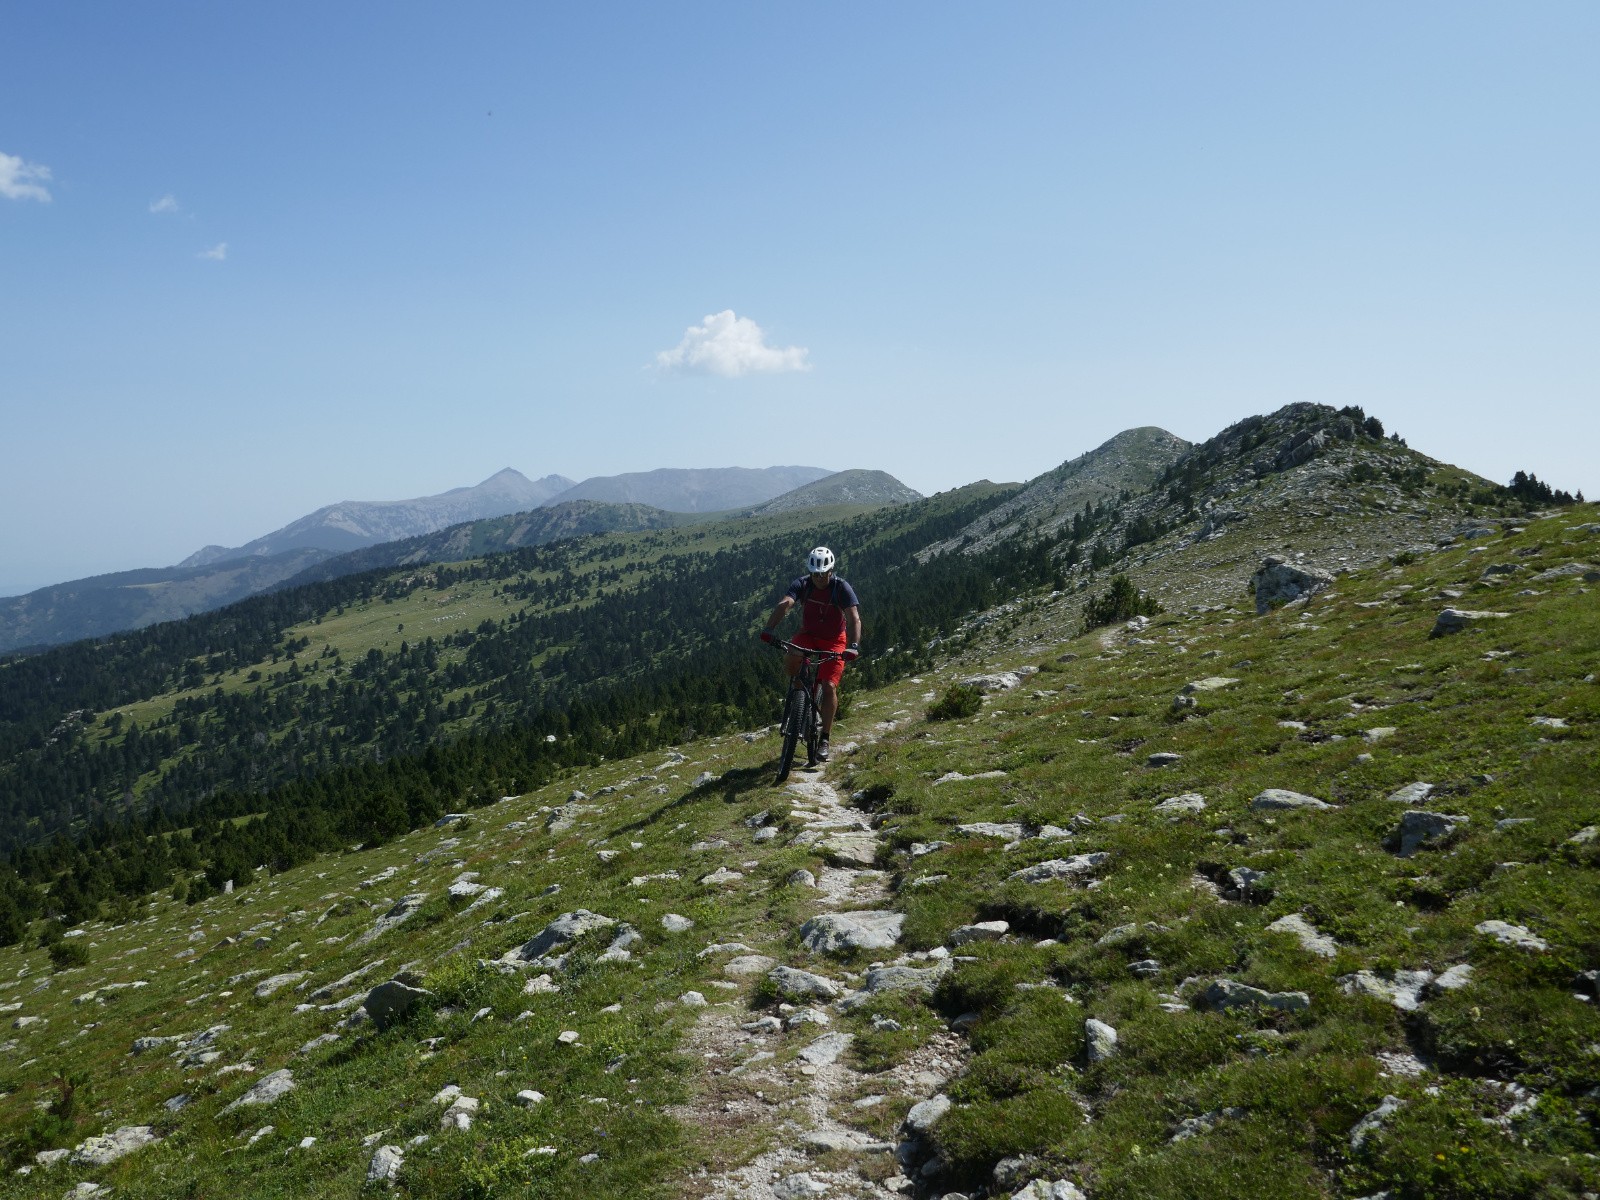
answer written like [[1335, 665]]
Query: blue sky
[[255, 259]]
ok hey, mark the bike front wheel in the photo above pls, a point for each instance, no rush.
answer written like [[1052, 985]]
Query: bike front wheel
[[794, 723]]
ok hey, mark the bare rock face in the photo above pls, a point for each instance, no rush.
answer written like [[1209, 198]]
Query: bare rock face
[[107, 1148], [1280, 581], [1419, 828], [389, 1002], [568, 927], [1223, 994], [267, 1089], [1454, 620], [869, 930]]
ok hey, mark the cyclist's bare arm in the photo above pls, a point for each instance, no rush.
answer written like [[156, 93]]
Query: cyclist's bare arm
[[852, 624], [780, 612]]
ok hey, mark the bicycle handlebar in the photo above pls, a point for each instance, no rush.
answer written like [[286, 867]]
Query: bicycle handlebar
[[807, 651]]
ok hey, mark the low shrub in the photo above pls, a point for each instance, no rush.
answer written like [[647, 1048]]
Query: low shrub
[[959, 701]]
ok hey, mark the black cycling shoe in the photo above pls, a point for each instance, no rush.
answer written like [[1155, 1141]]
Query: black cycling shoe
[[822, 751]]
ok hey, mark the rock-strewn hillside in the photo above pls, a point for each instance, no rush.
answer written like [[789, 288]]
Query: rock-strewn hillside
[[1130, 462], [1328, 930], [845, 487]]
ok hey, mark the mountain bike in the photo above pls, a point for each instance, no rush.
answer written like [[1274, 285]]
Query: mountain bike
[[801, 716]]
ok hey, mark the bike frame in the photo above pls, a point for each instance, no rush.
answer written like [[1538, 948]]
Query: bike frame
[[803, 720]]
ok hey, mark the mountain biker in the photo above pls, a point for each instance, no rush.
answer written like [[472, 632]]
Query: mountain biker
[[830, 619]]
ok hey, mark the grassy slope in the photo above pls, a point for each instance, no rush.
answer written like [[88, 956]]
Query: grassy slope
[[1072, 740]]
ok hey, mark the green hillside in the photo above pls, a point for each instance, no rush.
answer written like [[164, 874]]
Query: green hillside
[[1456, 978]]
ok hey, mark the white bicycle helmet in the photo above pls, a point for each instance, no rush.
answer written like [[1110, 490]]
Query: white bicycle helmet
[[820, 561]]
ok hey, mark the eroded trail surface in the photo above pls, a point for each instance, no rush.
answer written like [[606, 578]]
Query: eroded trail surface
[[784, 1078]]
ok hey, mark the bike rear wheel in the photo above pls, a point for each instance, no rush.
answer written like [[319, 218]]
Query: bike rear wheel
[[794, 722]]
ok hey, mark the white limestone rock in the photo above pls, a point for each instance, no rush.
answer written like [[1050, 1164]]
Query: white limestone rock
[[866, 930]]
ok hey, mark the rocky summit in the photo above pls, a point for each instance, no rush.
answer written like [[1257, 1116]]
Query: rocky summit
[[1326, 928]]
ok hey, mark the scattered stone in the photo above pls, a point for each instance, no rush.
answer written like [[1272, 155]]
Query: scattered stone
[[1145, 968], [1163, 758], [1072, 868], [1311, 939], [1278, 582], [385, 1165], [826, 1049], [1454, 620], [1412, 793], [702, 779], [1194, 1126], [328, 989], [1548, 722], [801, 878], [958, 777], [1370, 1123], [1055, 1189], [1403, 990], [1211, 683], [925, 1115], [1223, 994], [402, 911], [692, 1000], [267, 986], [567, 1037], [798, 984], [1454, 978], [982, 931], [540, 985], [460, 1113], [1380, 733], [389, 1003], [748, 964], [918, 849], [1278, 799], [267, 1090], [927, 880], [867, 930], [565, 929], [1007, 833], [108, 1147], [798, 1187], [1512, 935], [1419, 828], [527, 1097], [1189, 802], [143, 1044], [720, 876], [1100, 1040], [1001, 681], [318, 1042], [1584, 836], [673, 923]]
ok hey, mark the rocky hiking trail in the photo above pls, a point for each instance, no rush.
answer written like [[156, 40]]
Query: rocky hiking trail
[[792, 1083]]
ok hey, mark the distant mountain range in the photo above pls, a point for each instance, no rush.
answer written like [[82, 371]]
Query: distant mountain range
[[716, 489], [351, 524], [504, 512]]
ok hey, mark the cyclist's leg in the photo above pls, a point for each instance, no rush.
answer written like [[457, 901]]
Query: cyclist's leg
[[828, 676], [827, 705]]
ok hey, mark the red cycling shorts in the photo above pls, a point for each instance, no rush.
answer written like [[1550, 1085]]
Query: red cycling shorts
[[827, 672]]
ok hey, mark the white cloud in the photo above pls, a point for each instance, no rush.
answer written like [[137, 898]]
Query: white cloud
[[23, 180], [167, 204], [216, 254], [729, 346]]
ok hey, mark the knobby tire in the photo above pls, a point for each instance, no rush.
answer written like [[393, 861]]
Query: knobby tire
[[794, 715]]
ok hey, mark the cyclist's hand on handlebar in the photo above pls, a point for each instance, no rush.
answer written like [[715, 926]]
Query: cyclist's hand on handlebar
[[852, 652], [767, 636]]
